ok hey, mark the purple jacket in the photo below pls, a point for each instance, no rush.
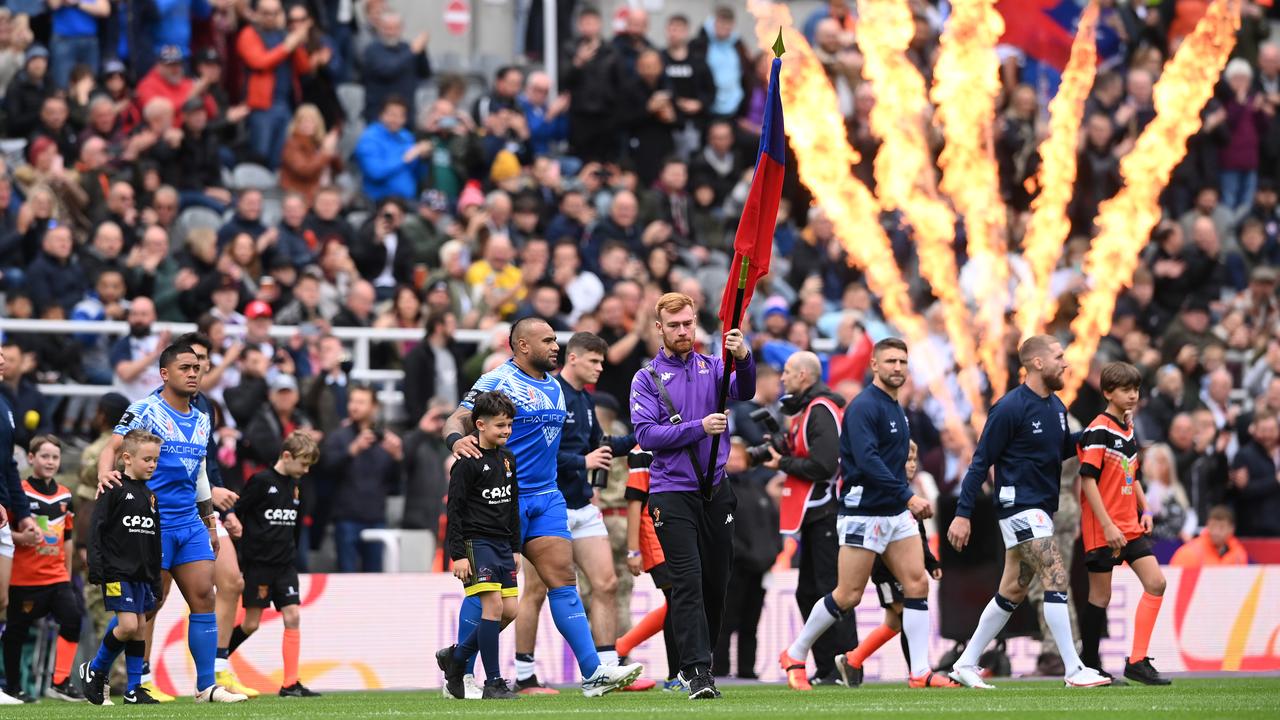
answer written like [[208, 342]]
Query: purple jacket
[[693, 386]]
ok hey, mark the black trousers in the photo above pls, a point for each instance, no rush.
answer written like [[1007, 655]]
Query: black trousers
[[819, 553], [743, 605], [29, 603], [697, 538]]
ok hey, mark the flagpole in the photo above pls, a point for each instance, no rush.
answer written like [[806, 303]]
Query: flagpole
[[708, 482]]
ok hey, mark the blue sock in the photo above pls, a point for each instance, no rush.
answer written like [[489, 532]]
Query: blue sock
[[133, 651], [488, 633], [202, 641], [571, 620], [470, 645], [468, 621], [109, 650]]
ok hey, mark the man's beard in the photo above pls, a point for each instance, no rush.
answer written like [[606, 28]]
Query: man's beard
[[678, 345], [1054, 383], [893, 381], [545, 365], [139, 331]]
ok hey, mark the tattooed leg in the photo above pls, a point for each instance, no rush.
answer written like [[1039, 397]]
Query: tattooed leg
[[1043, 556], [1016, 577]]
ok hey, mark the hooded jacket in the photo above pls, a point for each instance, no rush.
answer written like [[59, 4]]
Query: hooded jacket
[[693, 384]]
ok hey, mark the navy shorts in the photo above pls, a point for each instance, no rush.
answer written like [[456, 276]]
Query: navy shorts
[[493, 567], [129, 597], [266, 585], [1103, 559]]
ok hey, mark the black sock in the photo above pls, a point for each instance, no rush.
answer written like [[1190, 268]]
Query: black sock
[[1093, 621], [113, 643], [238, 636], [224, 653]]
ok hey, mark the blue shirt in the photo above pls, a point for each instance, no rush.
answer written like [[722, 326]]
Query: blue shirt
[[873, 455], [1026, 439], [185, 443], [535, 434], [71, 21]]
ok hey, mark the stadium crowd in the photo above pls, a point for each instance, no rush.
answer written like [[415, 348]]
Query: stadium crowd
[[399, 197]]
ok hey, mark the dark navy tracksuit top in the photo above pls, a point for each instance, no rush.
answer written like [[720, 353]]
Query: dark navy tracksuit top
[[581, 435], [1026, 438], [873, 455]]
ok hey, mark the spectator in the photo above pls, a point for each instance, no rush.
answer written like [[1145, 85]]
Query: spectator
[[157, 273], [325, 221], [357, 311], [692, 85], [26, 402], [404, 313], [1255, 479], [46, 169], [173, 23], [15, 38], [26, 93], [1173, 515], [1247, 121], [262, 439], [381, 255], [593, 78], [497, 285], [431, 368], [842, 63], [389, 159], [292, 248], [363, 460], [451, 282], [310, 154], [718, 164], [392, 67], [275, 60], [423, 229], [244, 398], [1216, 544], [53, 124], [319, 80], [247, 219], [649, 113], [455, 147], [507, 82], [200, 173], [668, 202], [546, 118], [583, 289], [544, 302], [167, 80], [632, 41], [105, 302], [134, 357], [324, 395], [837, 10], [75, 37], [56, 277], [122, 211], [426, 480], [621, 227], [157, 140], [726, 55]]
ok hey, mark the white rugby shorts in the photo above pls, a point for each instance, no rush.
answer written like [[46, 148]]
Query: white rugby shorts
[[587, 521], [6, 541], [876, 532], [1024, 526]]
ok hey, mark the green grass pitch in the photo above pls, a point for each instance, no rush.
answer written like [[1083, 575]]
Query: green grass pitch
[[1193, 699]]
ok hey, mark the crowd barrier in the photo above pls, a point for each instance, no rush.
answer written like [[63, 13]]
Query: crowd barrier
[[373, 632]]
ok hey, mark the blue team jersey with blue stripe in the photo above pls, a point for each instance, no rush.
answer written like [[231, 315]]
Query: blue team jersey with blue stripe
[[186, 442], [535, 434]]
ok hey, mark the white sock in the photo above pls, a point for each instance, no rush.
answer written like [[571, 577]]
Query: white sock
[[524, 668], [608, 657], [993, 620], [221, 665], [1058, 618], [915, 626], [148, 677], [821, 618]]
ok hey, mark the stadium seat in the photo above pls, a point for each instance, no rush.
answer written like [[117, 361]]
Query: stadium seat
[[351, 95], [249, 176], [403, 550], [199, 216]]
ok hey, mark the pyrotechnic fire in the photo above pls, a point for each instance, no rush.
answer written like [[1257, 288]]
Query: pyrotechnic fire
[[1048, 229], [903, 165], [966, 85], [1125, 221], [817, 135]]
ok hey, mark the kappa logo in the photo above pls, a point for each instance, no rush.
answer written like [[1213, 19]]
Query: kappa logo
[[666, 377], [728, 519], [272, 490], [637, 407], [1035, 427], [486, 468], [128, 496]]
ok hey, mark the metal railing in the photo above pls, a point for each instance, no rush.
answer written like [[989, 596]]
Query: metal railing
[[360, 340]]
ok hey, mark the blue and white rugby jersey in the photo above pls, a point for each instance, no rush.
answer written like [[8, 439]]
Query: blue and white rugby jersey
[[535, 434], [186, 442]]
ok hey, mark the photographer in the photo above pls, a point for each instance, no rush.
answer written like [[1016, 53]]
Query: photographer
[[808, 498]]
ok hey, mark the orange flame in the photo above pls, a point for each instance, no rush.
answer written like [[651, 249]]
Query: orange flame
[[817, 135], [903, 164], [1125, 221], [966, 85], [1048, 229]]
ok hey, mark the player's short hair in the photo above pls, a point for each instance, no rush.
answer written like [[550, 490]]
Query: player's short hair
[[40, 441], [586, 342], [520, 328], [672, 302], [492, 404], [890, 343], [172, 352], [1120, 376], [1034, 347], [301, 446], [1222, 512], [135, 439], [195, 338]]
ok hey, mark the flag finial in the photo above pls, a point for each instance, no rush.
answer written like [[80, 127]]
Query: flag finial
[[778, 47]]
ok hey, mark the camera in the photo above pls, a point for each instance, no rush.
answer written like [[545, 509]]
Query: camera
[[759, 454]]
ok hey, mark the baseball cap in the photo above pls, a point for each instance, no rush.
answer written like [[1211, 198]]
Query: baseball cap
[[434, 199], [283, 382], [170, 54], [34, 52], [112, 67], [1263, 274], [257, 309], [776, 305]]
